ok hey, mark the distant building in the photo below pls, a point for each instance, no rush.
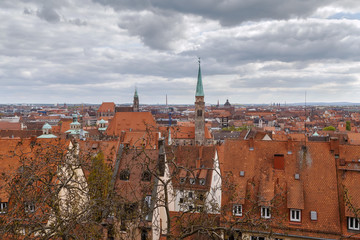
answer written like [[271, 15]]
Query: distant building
[[136, 102], [107, 109]]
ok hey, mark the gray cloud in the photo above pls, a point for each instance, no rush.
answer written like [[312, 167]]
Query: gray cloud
[[285, 41], [49, 14], [158, 31], [78, 22], [154, 44], [230, 12]]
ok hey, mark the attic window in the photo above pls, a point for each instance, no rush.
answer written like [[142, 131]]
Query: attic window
[[202, 181], [192, 181], [125, 175], [242, 173], [182, 180], [297, 176]]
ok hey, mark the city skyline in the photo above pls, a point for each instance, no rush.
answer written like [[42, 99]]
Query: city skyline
[[252, 53]]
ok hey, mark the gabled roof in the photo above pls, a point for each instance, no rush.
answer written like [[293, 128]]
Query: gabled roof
[[131, 121], [315, 190], [107, 107], [194, 162]]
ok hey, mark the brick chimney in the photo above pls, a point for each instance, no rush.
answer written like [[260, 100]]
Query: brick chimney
[[334, 145]]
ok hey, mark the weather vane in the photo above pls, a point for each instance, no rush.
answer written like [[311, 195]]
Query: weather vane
[[199, 60]]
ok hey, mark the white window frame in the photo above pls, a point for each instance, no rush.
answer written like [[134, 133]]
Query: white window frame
[[297, 214], [237, 209], [3, 207], [265, 212], [354, 222]]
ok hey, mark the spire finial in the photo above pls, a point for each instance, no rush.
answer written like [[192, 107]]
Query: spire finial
[[199, 60]]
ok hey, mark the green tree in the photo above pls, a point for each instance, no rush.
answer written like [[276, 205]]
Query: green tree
[[348, 126], [329, 128], [99, 185]]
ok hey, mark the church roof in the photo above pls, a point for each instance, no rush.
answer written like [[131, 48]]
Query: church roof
[[47, 136], [102, 121], [199, 86], [46, 126]]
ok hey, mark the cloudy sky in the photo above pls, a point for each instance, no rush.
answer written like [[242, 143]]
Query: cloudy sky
[[252, 51]]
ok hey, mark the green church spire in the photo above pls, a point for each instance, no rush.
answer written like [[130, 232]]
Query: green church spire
[[136, 94], [199, 86]]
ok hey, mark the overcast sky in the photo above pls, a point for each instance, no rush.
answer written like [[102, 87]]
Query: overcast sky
[[252, 51]]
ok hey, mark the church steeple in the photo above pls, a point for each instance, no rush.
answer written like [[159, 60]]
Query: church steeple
[[136, 101], [199, 85], [199, 111]]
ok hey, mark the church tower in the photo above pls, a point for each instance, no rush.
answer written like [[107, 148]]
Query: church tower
[[199, 111], [136, 102]]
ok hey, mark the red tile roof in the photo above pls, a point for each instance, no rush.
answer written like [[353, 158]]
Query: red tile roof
[[107, 107], [131, 121]]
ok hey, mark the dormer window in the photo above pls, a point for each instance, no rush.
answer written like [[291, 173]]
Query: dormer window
[[237, 210], [182, 180], [265, 212], [3, 207], [202, 181], [192, 181], [353, 223], [295, 215], [125, 175]]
